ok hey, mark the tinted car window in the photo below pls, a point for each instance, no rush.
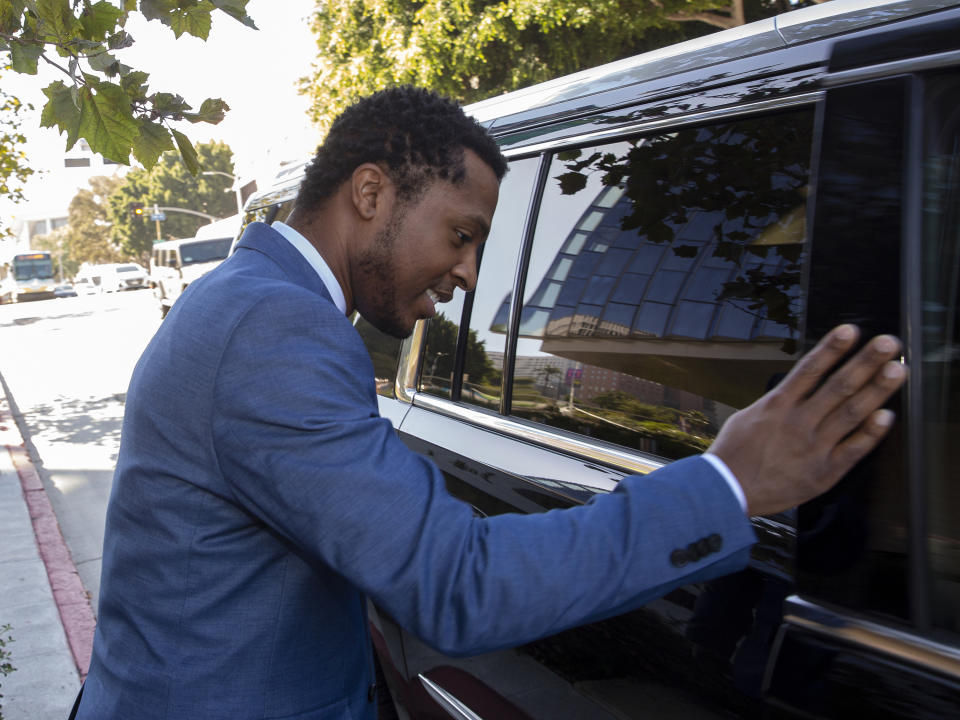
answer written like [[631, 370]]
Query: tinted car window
[[664, 286], [853, 544], [384, 353], [941, 344], [489, 314], [440, 348], [484, 342]]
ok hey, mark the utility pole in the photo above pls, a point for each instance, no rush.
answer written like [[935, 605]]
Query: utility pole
[[156, 217]]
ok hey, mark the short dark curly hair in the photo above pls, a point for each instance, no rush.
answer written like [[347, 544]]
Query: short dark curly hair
[[416, 134]]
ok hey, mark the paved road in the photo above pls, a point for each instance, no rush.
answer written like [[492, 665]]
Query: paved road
[[66, 364]]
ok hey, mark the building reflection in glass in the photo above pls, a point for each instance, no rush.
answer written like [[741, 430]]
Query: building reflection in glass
[[664, 286]]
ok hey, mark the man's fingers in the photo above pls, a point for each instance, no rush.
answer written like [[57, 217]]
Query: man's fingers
[[809, 370], [855, 448], [846, 383], [854, 410]]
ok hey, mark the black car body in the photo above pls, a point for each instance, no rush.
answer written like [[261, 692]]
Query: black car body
[[674, 231]]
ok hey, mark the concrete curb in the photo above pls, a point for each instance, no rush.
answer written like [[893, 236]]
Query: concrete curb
[[71, 599]]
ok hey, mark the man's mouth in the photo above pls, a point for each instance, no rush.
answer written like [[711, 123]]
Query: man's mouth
[[438, 297]]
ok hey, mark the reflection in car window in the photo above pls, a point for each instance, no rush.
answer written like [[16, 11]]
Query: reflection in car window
[[663, 291], [384, 353], [483, 373], [205, 250], [941, 344], [483, 355], [440, 348]]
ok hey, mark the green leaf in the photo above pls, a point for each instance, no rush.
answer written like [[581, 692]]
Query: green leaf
[[61, 111], [237, 9], [58, 20], [153, 9], [134, 84], [168, 103], [104, 62], [24, 57], [107, 122], [211, 111], [11, 13], [193, 20], [153, 141], [187, 152], [99, 20], [120, 40]]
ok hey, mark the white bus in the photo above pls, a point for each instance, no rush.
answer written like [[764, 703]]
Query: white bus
[[28, 276]]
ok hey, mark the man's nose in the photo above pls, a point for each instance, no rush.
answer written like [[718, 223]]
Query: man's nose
[[465, 272]]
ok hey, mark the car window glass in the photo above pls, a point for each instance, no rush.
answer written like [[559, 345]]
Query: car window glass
[[941, 344], [440, 348], [384, 354], [853, 544], [663, 289], [489, 316]]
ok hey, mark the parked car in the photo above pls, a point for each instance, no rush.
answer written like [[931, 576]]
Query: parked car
[[675, 229], [174, 264], [89, 279], [124, 276], [64, 290]]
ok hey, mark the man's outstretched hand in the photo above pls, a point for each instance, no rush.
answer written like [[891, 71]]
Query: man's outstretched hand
[[799, 439]]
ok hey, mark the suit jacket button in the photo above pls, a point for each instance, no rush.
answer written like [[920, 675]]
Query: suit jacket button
[[678, 558], [371, 693], [715, 542], [703, 547]]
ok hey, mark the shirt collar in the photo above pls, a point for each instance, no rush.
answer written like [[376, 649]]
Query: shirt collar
[[313, 256]]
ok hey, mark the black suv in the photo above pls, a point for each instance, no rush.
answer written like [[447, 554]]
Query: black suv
[[675, 229]]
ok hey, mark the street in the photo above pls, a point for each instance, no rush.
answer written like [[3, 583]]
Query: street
[[66, 364]]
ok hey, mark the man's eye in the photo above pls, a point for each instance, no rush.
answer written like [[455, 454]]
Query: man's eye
[[462, 237]]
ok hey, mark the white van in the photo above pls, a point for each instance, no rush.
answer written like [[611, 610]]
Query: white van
[[174, 264], [89, 279]]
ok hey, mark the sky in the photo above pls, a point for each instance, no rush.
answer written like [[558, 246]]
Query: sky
[[254, 71]]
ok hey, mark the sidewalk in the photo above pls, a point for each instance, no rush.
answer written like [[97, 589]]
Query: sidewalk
[[42, 597]]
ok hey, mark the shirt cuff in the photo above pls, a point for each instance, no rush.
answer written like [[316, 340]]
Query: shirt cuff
[[721, 467]]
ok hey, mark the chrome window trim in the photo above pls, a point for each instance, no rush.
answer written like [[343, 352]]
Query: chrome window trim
[[894, 67], [405, 385], [761, 106], [903, 646], [453, 707], [539, 435]]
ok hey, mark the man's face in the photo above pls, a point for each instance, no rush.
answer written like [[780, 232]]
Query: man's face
[[426, 248]]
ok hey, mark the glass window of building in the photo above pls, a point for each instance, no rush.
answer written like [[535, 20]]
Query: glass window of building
[[664, 285]]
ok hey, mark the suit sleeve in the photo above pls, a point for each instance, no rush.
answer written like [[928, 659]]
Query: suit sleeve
[[301, 444]]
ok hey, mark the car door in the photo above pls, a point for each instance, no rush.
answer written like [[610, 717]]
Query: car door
[[873, 627], [659, 280]]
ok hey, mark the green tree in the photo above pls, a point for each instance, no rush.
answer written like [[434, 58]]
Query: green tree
[[86, 237], [441, 351], [473, 49], [102, 100], [169, 184], [13, 166]]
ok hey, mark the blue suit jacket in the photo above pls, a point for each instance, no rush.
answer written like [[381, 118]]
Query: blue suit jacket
[[259, 498]]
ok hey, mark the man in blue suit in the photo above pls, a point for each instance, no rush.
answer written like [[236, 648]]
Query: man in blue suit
[[259, 499]]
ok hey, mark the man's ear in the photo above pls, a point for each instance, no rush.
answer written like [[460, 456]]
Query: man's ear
[[369, 187]]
